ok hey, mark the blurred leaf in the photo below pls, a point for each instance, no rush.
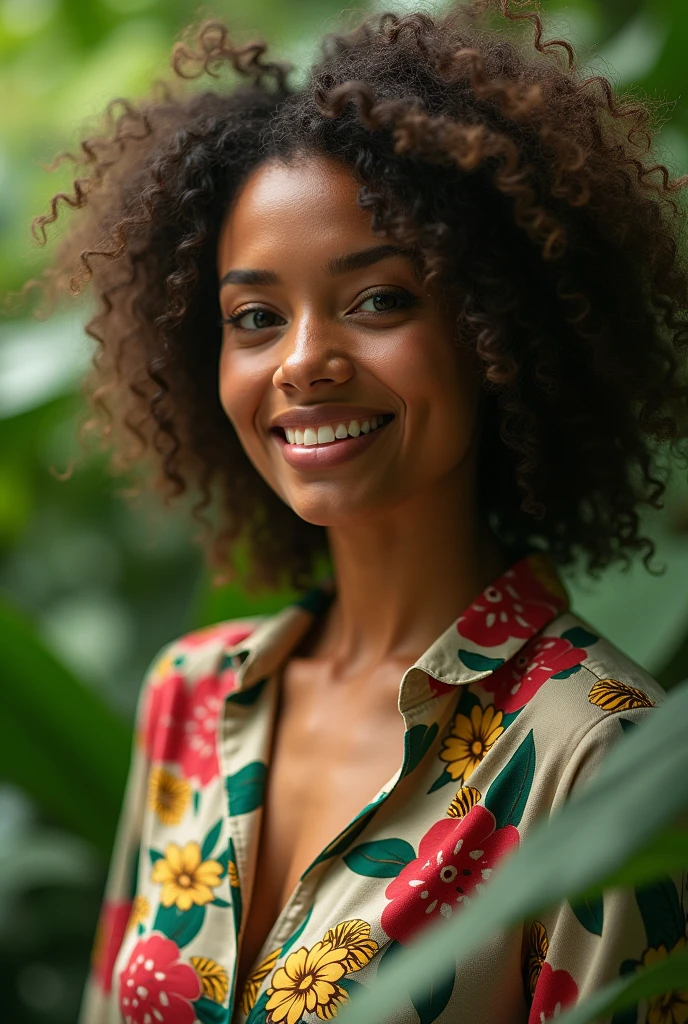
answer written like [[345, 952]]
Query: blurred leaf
[[661, 978], [590, 839], [665, 853], [58, 741]]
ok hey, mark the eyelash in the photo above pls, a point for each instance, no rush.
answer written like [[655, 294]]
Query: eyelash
[[407, 301]]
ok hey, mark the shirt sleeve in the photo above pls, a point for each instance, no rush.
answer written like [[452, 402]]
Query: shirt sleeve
[[574, 950], [118, 908]]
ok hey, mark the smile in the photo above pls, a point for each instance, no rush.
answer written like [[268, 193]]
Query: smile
[[330, 444]]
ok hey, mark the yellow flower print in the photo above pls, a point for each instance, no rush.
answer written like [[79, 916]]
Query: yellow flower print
[[354, 936], [212, 976], [308, 982], [168, 796], [538, 945], [256, 979], [233, 874], [672, 1007], [464, 801], [611, 695], [185, 880], [140, 909], [470, 739]]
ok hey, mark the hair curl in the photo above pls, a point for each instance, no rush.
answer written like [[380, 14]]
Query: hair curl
[[532, 194]]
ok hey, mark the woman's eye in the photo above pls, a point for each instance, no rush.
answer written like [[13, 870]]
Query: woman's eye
[[386, 302], [254, 319]]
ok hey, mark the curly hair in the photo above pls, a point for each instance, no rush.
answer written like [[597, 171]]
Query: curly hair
[[531, 194]]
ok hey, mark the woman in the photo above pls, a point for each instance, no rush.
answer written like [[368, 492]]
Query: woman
[[413, 330]]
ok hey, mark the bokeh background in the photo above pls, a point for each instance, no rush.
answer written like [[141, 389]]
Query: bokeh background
[[93, 583]]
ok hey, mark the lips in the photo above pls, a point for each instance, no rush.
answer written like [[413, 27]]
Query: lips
[[331, 453]]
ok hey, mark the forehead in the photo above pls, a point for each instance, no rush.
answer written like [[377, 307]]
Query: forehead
[[306, 207]]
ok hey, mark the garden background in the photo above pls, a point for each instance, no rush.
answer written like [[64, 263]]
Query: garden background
[[93, 584]]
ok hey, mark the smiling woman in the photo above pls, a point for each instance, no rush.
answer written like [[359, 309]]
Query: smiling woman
[[424, 317]]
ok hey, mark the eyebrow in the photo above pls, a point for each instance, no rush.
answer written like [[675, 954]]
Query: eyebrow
[[335, 266]]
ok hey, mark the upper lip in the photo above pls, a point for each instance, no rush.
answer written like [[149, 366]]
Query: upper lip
[[321, 415]]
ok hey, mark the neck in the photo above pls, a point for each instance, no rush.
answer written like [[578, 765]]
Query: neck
[[404, 575]]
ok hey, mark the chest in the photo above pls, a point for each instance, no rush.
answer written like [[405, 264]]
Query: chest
[[333, 748]]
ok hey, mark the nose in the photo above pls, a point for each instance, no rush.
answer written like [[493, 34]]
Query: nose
[[309, 356]]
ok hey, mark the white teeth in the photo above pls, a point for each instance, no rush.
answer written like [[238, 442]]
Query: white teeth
[[327, 433]]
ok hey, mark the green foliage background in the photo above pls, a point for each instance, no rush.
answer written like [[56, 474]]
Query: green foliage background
[[91, 586]]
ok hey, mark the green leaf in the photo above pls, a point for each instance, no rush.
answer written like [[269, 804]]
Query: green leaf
[[430, 1003], [155, 855], [442, 780], [579, 637], [479, 662], [246, 698], [662, 855], [196, 800], [209, 1012], [59, 742], [660, 909], [237, 901], [298, 933], [588, 840], [210, 840], [217, 902], [179, 925], [344, 840], [258, 1013], [590, 913], [508, 795], [417, 742], [382, 858], [245, 788], [667, 975]]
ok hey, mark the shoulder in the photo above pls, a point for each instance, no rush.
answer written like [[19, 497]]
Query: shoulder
[[182, 694]]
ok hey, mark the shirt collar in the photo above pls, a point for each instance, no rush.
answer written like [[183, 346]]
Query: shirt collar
[[509, 612]]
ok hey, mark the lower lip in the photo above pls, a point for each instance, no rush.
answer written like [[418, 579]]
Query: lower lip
[[320, 456]]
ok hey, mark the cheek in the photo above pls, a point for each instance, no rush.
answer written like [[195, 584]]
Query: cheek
[[239, 389]]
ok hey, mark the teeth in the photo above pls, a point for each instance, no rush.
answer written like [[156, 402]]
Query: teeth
[[325, 434], [328, 433]]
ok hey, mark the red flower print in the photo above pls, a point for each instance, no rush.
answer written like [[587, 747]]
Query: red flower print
[[455, 857], [516, 605], [180, 723], [229, 632], [514, 683], [156, 986], [554, 991], [112, 925]]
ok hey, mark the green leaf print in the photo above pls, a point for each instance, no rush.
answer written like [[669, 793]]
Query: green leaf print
[[382, 858], [430, 1004], [590, 913], [443, 780], [246, 698], [155, 855], [210, 840], [237, 902], [209, 1012], [479, 662], [417, 742], [218, 902], [196, 800], [258, 1013], [352, 831], [507, 796], [661, 912], [245, 788], [297, 934], [179, 925], [579, 637]]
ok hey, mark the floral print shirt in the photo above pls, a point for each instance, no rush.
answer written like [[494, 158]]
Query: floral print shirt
[[509, 712]]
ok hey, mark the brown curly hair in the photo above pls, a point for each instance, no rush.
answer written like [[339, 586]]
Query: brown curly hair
[[530, 192]]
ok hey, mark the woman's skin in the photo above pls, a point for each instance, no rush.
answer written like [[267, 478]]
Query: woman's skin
[[409, 547]]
